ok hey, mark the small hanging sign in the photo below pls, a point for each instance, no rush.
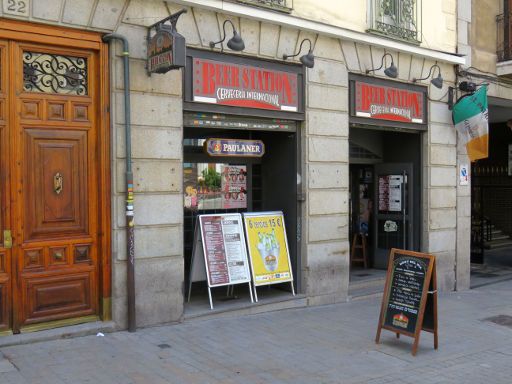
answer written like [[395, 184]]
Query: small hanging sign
[[166, 48], [230, 147]]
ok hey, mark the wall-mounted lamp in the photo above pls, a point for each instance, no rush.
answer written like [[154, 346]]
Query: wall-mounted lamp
[[390, 71], [308, 59], [235, 43], [437, 81]]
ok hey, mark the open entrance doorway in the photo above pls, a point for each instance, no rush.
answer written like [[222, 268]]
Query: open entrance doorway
[[491, 201], [385, 197], [225, 184]]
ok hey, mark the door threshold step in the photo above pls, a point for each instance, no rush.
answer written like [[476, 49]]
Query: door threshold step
[[66, 332], [246, 308]]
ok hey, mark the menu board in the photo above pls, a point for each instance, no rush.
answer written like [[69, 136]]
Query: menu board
[[405, 292], [224, 249], [390, 193], [410, 295], [268, 247]]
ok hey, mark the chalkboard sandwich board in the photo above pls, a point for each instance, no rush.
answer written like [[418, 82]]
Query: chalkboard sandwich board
[[409, 304]]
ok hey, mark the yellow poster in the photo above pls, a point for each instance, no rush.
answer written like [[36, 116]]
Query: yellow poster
[[268, 248]]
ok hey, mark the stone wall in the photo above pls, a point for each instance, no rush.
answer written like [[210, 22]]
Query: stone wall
[[157, 151]]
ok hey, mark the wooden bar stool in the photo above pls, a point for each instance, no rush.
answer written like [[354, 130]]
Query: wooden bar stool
[[359, 243]]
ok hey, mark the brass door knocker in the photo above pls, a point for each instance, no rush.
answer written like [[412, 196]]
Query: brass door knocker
[[57, 183]]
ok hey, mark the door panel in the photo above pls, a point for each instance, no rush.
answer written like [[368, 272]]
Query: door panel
[[56, 170], [393, 210]]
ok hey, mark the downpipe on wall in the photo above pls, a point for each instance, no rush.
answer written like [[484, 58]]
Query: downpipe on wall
[[130, 223]]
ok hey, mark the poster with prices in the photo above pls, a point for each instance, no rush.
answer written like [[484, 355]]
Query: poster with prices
[[268, 248], [224, 249]]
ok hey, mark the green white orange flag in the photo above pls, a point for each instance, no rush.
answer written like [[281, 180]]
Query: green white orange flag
[[470, 116]]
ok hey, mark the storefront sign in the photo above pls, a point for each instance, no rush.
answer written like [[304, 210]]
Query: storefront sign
[[227, 83], [268, 247], [385, 100], [409, 304], [166, 51], [230, 147]]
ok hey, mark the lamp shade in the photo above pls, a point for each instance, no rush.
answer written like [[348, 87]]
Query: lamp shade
[[437, 82], [391, 71], [236, 43], [308, 60]]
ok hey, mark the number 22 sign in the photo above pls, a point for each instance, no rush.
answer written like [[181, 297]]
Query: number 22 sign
[[16, 7]]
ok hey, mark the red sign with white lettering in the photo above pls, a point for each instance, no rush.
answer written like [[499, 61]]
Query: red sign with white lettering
[[389, 103], [241, 85]]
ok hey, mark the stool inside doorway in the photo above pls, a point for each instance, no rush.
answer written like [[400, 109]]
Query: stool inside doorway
[[358, 252]]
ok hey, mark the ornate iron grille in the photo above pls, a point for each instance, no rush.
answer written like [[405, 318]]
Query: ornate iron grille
[[277, 5], [49, 73], [504, 37], [399, 19]]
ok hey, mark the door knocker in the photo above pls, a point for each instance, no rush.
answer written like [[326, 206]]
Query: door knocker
[[57, 183]]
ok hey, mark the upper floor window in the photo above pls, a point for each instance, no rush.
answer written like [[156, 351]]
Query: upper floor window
[[399, 19], [277, 5]]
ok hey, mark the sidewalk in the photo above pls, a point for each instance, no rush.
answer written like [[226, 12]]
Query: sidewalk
[[328, 344]]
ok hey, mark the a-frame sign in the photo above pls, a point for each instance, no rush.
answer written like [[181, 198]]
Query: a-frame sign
[[409, 304]]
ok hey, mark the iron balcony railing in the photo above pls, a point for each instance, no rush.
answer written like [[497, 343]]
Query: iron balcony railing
[[398, 19], [276, 5], [504, 36]]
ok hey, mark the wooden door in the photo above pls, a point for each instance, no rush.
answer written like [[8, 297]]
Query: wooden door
[[5, 251], [51, 153]]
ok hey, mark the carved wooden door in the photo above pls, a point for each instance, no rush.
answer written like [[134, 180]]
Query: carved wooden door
[[55, 183], [5, 234]]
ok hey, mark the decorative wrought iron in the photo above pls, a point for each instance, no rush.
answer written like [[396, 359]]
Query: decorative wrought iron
[[277, 5], [50, 73], [397, 18], [504, 37]]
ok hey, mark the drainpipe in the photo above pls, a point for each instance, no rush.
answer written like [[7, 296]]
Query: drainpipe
[[130, 224]]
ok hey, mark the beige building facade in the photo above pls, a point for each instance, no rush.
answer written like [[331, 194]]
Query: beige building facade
[[327, 136]]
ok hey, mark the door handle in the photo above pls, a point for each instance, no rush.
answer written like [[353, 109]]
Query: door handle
[[7, 238], [57, 183]]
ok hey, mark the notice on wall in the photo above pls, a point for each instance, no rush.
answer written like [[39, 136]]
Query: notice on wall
[[463, 174], [224, 249], [390, 193], [268, 247], [234, 186]]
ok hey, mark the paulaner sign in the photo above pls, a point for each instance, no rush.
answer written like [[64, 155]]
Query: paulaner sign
[[229, 147], [241, 85], [376, 101]]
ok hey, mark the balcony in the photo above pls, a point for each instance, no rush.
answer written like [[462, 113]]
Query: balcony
[[275, 5], [504, 37], [396, 19], [504, 44]]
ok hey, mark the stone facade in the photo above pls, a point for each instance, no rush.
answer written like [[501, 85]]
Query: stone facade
[[157, 153]]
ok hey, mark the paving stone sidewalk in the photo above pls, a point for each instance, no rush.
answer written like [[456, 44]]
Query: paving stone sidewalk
[[328, 344]]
